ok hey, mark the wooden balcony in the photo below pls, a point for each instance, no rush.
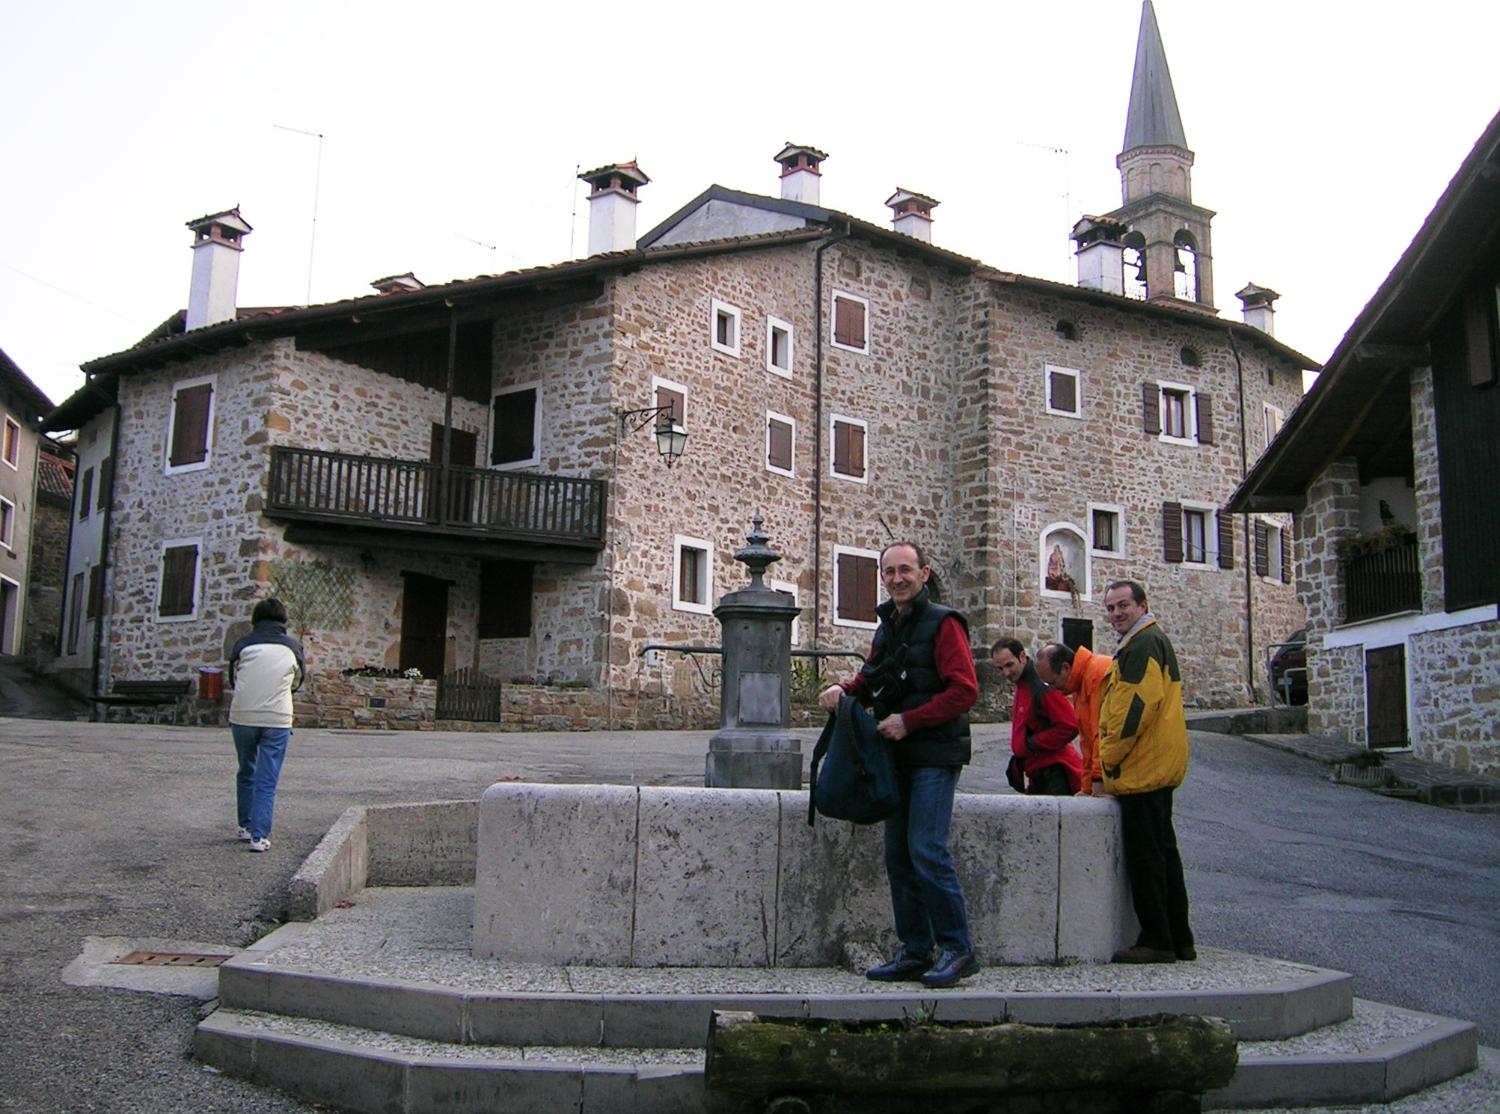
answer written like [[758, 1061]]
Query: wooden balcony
[[1382, 583], [344, 499]]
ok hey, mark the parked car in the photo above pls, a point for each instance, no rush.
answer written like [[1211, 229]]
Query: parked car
[[1289, 669]]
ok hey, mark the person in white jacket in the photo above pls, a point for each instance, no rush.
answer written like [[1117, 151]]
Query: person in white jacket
[[265, 668]]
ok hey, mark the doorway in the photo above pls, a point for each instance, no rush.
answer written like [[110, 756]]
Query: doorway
[[1385, 696], [424, 624]]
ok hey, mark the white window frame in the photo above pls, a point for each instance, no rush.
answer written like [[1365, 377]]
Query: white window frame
[[169, 468], [161, 560], [705, 575], [1189, 413], [851, 551], [833, 320], [1119, 513], [12, 436], [1048, 370], [833, 421], [787, 419], [790, 589], [7, 523], [716, 308], [536, 426], [1210, 534], [681, 388], [12, 621], [772, 325], [1275, 531], [1280, 415]]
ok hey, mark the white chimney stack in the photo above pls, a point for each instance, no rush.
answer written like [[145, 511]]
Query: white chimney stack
[[800, 175], [399, 284], [1256, 303], [612, 204], [217, 243], [1101, 254], [911, 213]]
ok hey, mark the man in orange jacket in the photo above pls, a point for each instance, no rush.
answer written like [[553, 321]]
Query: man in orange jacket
[[1079, 674]]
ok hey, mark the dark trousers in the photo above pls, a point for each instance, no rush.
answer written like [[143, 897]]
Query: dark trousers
[[1050, 781], [1155, 870]]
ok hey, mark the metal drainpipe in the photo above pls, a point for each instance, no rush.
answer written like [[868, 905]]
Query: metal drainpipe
[[827, 242], [1239, 372]]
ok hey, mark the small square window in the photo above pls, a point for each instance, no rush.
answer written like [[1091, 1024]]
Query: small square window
[[691, 580], [1063, 394], [11, 453], [672, 395], [849, 448], [850, 322], [779, 347], [1272, 555], [1174, 413], [178, 597], [1106, 530], [515, 421], [856, 577], [7, 523], [781, 436], [724, 328]]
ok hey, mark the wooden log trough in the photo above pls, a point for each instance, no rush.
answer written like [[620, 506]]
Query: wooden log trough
[[1160, 1064]]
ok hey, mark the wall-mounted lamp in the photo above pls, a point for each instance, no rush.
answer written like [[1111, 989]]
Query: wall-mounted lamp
[[671, 438]]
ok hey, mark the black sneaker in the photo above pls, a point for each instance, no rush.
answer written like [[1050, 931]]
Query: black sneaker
[[949, 968], [904, 968]]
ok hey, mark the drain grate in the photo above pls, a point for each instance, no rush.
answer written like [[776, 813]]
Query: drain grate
[[171, 959]]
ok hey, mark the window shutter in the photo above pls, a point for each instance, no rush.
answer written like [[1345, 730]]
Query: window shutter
[[1171, 533], [1262, 550], [85, 494], [1286, 556], [849, 322], [104, 472], [778, 444], [1064, 393], [847, 585], [1151, 407], [665, 396], [1205, 418], [513, 435], [96, 592], [190, 424], [178, 564], [1226, 539], [857, 451], [868, 576]]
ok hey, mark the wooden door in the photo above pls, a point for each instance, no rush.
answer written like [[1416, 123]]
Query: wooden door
[[463, 448], [1078, 632], [1385, 696], [424, 624]]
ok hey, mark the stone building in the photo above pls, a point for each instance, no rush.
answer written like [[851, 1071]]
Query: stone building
[[1386, 464], [22, 405], [465, 477], [49, 550]]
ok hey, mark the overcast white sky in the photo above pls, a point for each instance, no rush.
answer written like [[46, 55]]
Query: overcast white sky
[[1324, 133]]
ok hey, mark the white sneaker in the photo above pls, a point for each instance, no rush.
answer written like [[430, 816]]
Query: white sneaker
[[260, 844], [244, 835]]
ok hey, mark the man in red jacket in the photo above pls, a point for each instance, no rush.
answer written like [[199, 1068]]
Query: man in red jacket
[[1043, 726]]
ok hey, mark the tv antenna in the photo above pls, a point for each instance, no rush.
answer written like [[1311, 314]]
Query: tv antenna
[[312, 240]]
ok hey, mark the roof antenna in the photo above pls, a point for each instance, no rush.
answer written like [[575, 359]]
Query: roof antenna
[[573, 220], [312, 240]]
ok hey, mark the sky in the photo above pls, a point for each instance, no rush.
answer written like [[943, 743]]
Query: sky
[[452, 133]]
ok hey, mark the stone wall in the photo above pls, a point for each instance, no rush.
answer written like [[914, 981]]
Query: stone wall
[[1455, 690], [392, 703], [1335, 676]]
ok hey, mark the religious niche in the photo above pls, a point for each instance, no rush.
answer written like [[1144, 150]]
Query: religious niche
[[1064, 562]]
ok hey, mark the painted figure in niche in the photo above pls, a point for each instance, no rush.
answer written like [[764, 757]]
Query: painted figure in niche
[[1058, 579]]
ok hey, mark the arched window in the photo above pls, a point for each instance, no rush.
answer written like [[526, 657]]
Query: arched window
[[1185, 269], [1135, 265], [1066, 330]]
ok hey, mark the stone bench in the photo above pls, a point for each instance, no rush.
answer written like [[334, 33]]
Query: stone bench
[[664, 877]]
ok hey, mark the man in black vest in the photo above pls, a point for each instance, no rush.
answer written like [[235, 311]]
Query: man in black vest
[[919, 680]]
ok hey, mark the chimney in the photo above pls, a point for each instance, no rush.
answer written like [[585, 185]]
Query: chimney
[[1257, 307], [1101, 254], [612, 203], [217, 243], [398, 284], [911, 213], [800, 175]]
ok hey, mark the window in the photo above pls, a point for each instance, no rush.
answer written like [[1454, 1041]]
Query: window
[[11, 450], [1194, 536], [515, 426], [1063, 395], [190, 434], [664, 392], [1185, 266], [691, 583], [1065, 330], [1197, 534], [1106, 530], [850, 322], [178, 598], [85, 493], [505, 599], [1274, 420], [7, 523], [856, 574], [724, 328], [1177, 413], [848, 435], [781, 435], [790, 589], [104, 466], [1272, 552], [778, 347], [1189, 356]]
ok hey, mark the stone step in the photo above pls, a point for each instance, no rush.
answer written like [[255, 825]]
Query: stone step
[[1378, 1055]]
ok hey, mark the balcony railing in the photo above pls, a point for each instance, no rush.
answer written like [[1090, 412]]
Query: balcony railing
[[420, 496], [1382, 583]]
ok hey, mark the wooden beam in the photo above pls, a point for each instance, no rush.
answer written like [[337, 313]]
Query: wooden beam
[[483, 548]]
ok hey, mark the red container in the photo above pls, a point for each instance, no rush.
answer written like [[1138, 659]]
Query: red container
[[210, 683]]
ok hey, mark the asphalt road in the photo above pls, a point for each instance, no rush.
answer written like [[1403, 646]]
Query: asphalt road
[[118, 830]]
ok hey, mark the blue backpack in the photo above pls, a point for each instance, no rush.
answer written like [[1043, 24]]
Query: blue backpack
[[853, 773]]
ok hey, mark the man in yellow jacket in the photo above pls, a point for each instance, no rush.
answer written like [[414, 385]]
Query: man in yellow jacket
[[1143, 750], [1080, 674]]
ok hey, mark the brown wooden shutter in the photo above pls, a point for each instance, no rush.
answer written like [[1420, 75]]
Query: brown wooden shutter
[[857, 580], [1226, 539], [1171, 533], [85, 494], [665, 396], [1205, 418], [1262, 550], [179, 563], [869, 577], [1286, 556], [1479, 333], [857, 451], [96, 592], [104, 473], [1064, 392], [778, 444], [505, 589], [190, 424], [1151, 407], [849, 449], [849, 322], [514, 427]]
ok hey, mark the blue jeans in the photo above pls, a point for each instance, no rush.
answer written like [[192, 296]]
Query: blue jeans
[[261, 751], [926, 898]]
